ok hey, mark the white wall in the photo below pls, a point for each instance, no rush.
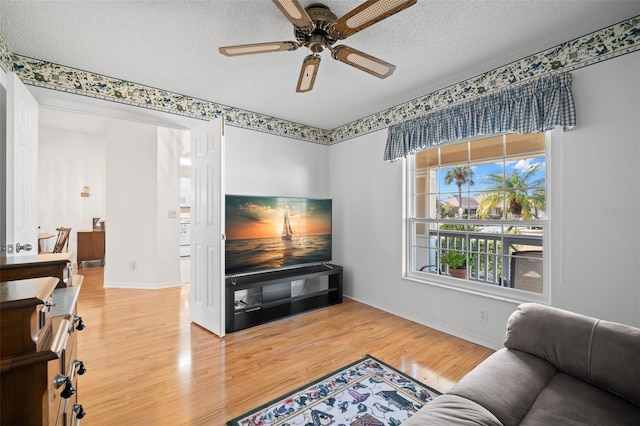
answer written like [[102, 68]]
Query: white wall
[[597, 269], [170, 143], [133, 172], [71, 156], [595, 257], [143, 191], [132, 207], [269, 165], [3, 158]]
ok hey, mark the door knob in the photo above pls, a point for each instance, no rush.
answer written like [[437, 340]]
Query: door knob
[[26, 247]]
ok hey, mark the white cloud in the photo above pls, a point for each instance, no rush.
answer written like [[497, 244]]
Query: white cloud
[[522, 166]]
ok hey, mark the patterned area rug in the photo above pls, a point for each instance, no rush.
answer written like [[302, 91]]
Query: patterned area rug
[[367, 392]]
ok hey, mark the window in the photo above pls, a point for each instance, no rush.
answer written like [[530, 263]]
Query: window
[[484, 203]]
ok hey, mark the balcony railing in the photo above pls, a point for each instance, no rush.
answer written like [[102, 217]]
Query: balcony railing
[[488, 254]]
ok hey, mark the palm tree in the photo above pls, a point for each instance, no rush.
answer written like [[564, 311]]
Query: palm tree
[[519, 201], [459, 175]]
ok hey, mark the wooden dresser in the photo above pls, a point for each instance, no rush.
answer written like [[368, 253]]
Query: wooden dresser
[[57, 265], [90, 246], [39, 368]]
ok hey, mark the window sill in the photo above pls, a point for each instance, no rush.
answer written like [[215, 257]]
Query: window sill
[[478, 289]]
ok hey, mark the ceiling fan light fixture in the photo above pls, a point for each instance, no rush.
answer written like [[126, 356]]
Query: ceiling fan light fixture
[[308, 73], [363, 61], [368, 14], [316, 43]]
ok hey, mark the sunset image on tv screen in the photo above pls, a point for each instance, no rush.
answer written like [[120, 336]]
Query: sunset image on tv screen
[[275, 232]]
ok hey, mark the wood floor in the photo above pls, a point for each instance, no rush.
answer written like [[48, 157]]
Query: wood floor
[[147, 364]]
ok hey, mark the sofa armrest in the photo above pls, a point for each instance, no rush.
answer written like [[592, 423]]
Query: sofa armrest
[[596, 351], [507, 383], [452, 410]]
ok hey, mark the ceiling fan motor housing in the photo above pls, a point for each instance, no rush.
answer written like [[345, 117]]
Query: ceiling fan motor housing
[[320, 36]]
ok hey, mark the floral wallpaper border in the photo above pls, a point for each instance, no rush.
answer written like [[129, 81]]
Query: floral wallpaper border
[[608, 43], [5, 55]]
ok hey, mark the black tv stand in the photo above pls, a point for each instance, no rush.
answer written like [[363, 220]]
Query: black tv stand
[[258, 298]]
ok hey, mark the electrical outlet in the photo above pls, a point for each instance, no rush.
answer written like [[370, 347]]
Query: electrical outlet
[[484, 315]]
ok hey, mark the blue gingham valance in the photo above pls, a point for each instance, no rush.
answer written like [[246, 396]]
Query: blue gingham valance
[[532, 107]]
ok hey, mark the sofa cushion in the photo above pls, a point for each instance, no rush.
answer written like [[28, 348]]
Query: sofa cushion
[[570, 401], [615, 363], [600, 352], [452, 410], [506, 383]]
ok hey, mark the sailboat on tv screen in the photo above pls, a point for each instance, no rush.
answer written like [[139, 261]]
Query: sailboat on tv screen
[[287, 233]]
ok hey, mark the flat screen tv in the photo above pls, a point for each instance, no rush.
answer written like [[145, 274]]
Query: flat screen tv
[[265, 233]]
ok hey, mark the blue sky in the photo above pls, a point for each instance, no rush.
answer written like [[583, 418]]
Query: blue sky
[[482, 171]]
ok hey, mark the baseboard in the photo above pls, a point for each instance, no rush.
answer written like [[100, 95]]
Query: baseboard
[[142, 286], [463, 334]]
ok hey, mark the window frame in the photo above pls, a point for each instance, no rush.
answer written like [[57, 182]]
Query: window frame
[[465, 285]]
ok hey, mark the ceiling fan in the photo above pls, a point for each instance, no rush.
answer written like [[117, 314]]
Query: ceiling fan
[[317, 28]]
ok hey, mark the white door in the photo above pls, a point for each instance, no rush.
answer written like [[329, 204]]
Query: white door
[[20, 142], [207, 222]]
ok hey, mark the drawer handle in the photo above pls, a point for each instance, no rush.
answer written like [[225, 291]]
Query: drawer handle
[[80, 325], [80, 365], [68, 390], [80, 413], [49, 305]]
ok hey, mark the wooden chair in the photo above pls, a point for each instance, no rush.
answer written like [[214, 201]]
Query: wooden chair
[[62, 242]]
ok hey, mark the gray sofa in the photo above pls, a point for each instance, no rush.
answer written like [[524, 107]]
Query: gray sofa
[[557, 368]]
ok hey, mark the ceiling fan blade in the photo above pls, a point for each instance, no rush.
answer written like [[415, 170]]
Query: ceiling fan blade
[[367, 14], [295, 13], [249, 49], [363, 61], [308, 73]]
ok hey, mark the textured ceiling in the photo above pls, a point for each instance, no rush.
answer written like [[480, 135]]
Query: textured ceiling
[[173, 45]]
